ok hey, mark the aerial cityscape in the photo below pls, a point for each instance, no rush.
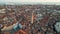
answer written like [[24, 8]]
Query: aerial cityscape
[[30, 19]]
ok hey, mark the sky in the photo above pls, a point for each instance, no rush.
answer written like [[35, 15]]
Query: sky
[[30, 1]]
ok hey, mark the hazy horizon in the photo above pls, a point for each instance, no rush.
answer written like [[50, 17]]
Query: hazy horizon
[[29, 2]]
